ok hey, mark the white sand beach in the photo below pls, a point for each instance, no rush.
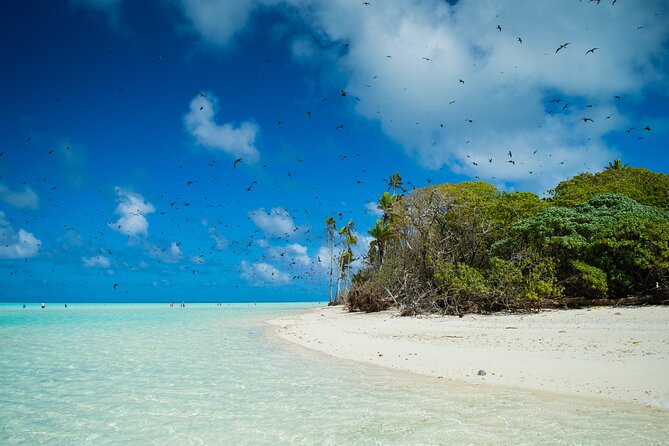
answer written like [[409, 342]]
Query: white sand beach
[[612, 353]]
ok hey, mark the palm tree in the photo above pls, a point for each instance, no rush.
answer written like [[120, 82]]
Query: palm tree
[[330, 228], [616, 164], [395, 182], [346, 257], [382, 235], [386, 206]]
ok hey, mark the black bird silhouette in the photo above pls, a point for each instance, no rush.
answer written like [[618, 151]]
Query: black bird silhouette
[[587, 119], [647, 128], [512, 162], [520, 40], [115, 285], [565, 106], [591, 50], [499, 28], [343, 93], [510, 155], [237, 161], [564, 45]]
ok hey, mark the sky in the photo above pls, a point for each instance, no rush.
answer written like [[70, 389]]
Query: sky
[[192, 149]]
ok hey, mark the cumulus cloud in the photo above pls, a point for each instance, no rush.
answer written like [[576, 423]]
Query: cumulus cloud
[[132, 210], [217, 21], [171, 254], [372, 208], [25, 199], [277, 222], [454, 90], [292, 253], [95, 261], [16, 245], [234, 140], [260, 273]]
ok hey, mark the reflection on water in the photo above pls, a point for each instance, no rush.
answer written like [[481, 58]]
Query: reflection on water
[[208, 375]]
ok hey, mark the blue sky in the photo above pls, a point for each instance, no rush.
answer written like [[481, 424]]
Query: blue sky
[[121, 122]]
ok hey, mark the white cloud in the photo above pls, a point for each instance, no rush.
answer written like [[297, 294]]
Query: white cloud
[[217, 21], [507, 85], [292, 252], [15, 245], [277, 222], [91, 262], [298, 253], [372, 208], [221, 243], [172, 254], [260, 273], [237, 141], [133, 210], [26, 199], [323, 257]]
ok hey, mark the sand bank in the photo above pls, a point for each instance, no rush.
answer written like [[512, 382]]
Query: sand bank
[[613, 353]]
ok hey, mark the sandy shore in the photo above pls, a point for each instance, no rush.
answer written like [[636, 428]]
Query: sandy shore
[[613, 353]]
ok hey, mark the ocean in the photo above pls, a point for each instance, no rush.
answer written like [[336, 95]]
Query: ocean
[[145, 374]]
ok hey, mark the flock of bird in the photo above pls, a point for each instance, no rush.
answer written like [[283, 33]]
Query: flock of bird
[[200, 199]]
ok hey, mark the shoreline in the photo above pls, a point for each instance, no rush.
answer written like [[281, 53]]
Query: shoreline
[[614, 354]]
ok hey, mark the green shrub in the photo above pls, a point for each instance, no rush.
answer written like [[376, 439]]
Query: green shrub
[[588, 280]]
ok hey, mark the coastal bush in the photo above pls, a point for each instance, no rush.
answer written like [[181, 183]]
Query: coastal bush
[[467, 247], [642, 185], [627, 241], [588, 280]]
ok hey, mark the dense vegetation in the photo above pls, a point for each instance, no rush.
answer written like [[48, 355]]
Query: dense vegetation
[[468, 247]]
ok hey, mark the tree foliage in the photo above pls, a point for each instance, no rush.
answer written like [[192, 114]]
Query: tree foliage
[[642, 185], [468, 247]]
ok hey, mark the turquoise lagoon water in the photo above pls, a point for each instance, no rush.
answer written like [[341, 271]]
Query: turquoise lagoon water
[[149, 374]]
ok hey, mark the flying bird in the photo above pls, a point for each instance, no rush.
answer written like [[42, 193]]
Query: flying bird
[[499, 28], [237, 161], [591, 50], [564, 45], [115, 285], [587, 119]]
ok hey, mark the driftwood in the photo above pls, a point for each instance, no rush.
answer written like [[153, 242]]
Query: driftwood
[[659, 297]]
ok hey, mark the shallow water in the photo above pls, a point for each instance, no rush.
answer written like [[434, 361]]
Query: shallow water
[[148, 374]]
